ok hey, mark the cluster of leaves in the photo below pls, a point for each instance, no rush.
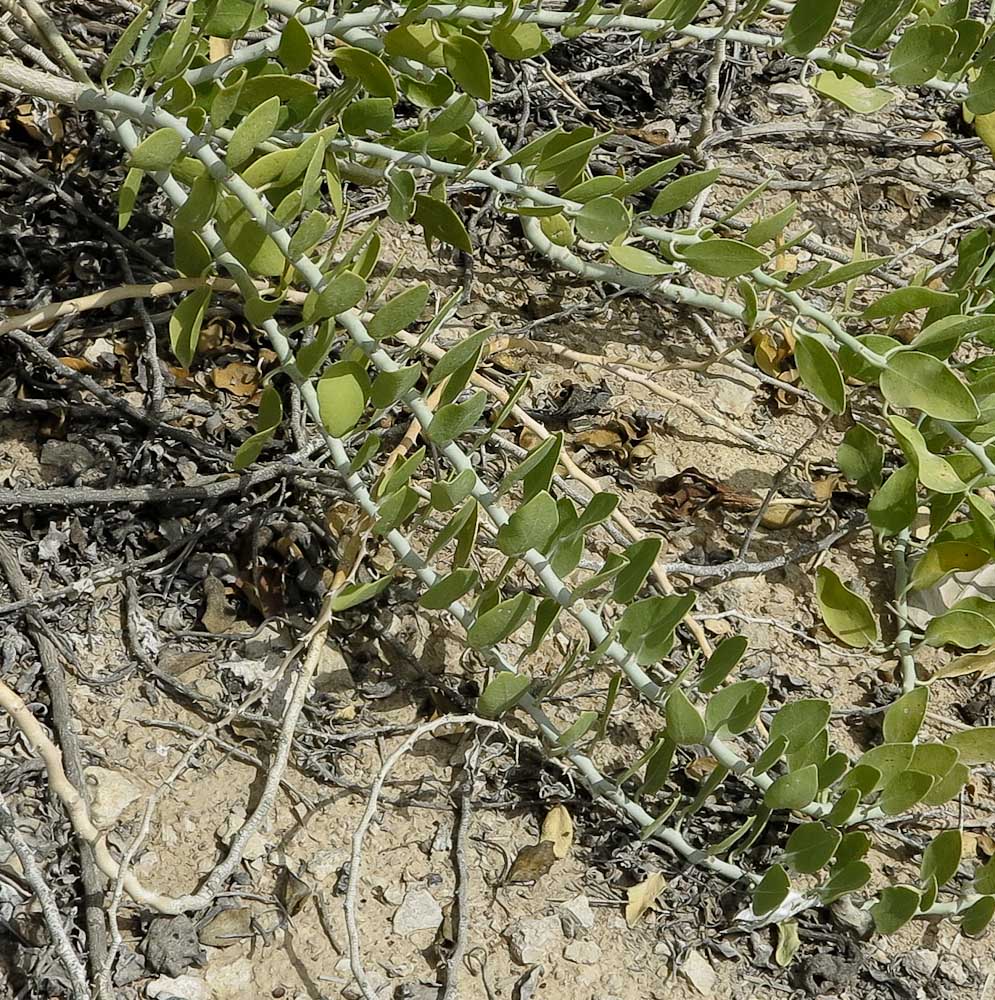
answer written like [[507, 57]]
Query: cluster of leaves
[[403, 111]]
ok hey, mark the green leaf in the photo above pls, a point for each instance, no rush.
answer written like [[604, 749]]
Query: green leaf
[[449, 589], [468, 65], [734, 709], [455, 419], [920, 53], [904, 300], [965, 628], [503, 693], [640, 558], [519, 41], [123, 46], [368, 69], [536, 469], [185, 324], [602, 219], [532, 526], [764, 230], [356, 593], [770, 755], [788, 943], [904, 718], [933, 471], [389, 387], [496, 624], [848, 879], [895, 907], [722, 258], [876, 20], [975, 746], [679, 192], [793, 790], [339, 294], [645, 178], [851, 93], [981, 91], [638, 261], [800, 722], [913, 379], [399, 312], [368, 114], [465, 353], [893, 507], [943, 558], [722, 662], [853, 847], [810, 22], [843, 807], [904, 791], [295, 47], [771, 891], [684, 725], [440, 222], [820, 373], [578, 729], [810, 847], [984, 877], [646, 628], [255, 128], [308, 234], [847, 272], [450, 493], [978, 916], [267, 421], [941, 858], [861, 458], [128, 195], [342, 392], [158, 151], [846, 614]]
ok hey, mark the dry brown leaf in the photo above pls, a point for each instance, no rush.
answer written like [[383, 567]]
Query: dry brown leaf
[[291, 891], [986, 844], [642, 897], [217, 617], [601, 439], [701, 767], [226, 927], [532, 862], [558, 828], [238, 378]]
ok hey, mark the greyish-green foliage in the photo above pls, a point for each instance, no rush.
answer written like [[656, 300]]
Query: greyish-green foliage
[[254, 156]]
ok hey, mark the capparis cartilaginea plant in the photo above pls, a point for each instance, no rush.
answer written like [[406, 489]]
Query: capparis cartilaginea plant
[[252, 147]]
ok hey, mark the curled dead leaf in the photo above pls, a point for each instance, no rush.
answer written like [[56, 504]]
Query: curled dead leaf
[[642, 897], [558, 829], [532, 862]]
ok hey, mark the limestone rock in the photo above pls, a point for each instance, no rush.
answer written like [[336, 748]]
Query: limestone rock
[[419, 911], [531, 939], [582, 953], [576, 916], [183, 987], [110, 794]]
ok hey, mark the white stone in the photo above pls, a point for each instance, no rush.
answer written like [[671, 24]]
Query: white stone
[[324, 865], [419, 912], [582, 953], [184, 987], [232, 981], [791, 93], [734, 395], [576, 916], [110, 794], [530, 940], [699, 973]]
